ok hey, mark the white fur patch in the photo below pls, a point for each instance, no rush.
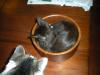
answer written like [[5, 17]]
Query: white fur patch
[[42, 66], [9, 66], [32, 56], [44, 63], [39, 73]]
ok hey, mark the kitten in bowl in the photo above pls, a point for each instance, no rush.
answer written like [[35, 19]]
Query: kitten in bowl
[[55, 37], [21, 63]]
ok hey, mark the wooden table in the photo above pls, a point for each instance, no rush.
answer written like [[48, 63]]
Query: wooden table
[[16, 21]]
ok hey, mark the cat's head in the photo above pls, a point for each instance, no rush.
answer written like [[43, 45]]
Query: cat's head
[[21, 63], [44, 33]]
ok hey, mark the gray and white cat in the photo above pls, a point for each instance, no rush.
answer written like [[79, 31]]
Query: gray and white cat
[[24, 64]]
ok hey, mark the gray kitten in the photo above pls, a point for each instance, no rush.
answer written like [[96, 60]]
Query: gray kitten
[[56, 37], [24, 64]]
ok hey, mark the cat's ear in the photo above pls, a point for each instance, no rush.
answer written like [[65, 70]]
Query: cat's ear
[[19, 51], [42, 63], [42, 22]]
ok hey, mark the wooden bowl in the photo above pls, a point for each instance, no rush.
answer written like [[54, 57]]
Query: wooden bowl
[[61, 56]]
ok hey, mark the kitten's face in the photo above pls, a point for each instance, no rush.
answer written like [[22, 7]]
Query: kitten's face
[[24, 64]]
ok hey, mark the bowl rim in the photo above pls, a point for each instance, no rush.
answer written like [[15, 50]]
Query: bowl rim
[[58, 53]]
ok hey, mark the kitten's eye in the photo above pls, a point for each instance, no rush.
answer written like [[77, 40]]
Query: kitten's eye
[[35, 62], [51, 26], [35, 59]]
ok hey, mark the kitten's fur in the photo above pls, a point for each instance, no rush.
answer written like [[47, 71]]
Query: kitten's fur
[[55, 37], [24, 64]]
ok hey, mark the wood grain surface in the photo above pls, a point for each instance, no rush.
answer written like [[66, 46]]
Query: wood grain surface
[[16, 21]]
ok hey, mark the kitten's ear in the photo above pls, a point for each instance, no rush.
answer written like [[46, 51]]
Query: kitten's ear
[[19, 51], [42, 22], [42, 63]]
